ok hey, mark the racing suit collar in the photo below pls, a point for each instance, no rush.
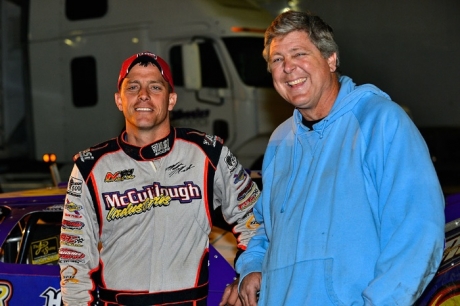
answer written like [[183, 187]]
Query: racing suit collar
[[151, 151]]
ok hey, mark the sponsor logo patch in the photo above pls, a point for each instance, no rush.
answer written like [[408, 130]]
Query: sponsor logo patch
[[119, 176], [72, 225], [182, 193], [75, 216], [86, 155], [250, 200], [133, 201], [72, 207], [231, 161], [68, 275], [251, 223], [68, 255], [161, 147], [247, 190], [74, 187], [211, 140], [241, 175], [71, 240]]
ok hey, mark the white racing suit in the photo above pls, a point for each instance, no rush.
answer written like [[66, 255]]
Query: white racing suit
[[136, 220]]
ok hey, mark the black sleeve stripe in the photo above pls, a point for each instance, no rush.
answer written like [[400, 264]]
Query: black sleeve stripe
[[86, 160]]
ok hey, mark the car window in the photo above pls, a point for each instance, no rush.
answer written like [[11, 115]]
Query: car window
[[34, 240]]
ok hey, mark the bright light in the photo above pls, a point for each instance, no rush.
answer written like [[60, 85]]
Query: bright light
[[73, 42], [49, 157]]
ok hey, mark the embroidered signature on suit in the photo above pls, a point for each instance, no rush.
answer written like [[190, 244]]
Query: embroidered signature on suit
[[178, 168]]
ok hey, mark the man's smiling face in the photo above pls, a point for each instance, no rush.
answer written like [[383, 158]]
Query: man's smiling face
[[145, 100], [302, 76]]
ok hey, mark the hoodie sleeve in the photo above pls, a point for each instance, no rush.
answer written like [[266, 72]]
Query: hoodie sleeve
[[410, 209], [251, 260]]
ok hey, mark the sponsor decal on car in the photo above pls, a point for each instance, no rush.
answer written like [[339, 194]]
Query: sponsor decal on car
[[44, 251], [6, 292], [52, 296]]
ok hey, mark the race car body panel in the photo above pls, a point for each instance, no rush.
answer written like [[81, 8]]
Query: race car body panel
[[30, 223]]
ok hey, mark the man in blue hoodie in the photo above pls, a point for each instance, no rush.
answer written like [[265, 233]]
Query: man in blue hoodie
[[351, 210]]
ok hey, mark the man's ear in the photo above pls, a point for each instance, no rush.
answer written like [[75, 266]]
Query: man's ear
[[172, 100], [332, 62], [118, 101]]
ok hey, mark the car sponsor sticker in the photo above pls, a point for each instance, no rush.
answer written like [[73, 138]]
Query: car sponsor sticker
[[44, 251]]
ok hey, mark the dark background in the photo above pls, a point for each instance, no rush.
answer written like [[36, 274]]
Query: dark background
[[410, 50]]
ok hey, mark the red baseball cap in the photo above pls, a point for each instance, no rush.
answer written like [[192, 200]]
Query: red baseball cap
[[146, 57]]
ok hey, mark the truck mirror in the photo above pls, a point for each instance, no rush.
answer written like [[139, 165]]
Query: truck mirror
[[192, 66]]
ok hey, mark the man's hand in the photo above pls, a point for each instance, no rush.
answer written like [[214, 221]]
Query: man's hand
[[248, 291], [230, 296], [250, 286]]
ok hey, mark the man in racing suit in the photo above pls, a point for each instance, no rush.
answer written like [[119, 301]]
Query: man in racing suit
[[138, 208]]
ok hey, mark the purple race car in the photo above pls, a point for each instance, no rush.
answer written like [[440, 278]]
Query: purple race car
[[30, 225]]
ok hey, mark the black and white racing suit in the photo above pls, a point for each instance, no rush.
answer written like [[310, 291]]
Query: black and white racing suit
[[136, 220]]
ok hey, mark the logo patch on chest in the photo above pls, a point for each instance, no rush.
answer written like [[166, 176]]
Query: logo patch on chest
[[119, 176], [133, 201]]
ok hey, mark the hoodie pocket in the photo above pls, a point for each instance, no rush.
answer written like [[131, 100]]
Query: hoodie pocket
[[307, 282]]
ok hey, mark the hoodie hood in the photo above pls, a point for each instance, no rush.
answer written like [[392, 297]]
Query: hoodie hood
[[349, 95]]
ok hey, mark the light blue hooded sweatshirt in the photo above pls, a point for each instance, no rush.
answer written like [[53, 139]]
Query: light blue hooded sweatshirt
[[352, 212]]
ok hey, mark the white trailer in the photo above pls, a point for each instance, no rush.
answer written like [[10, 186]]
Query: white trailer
[[73, 52]]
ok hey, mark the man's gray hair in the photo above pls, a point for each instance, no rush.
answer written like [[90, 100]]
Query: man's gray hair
[[320, 33]]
